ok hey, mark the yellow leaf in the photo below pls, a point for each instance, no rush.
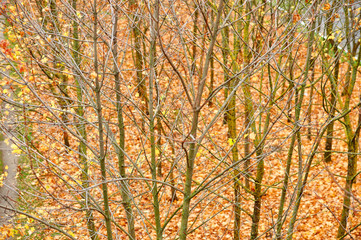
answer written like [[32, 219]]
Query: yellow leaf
[[16, 151], [71, 233], [12, 232], [331, 37], [231, 141]]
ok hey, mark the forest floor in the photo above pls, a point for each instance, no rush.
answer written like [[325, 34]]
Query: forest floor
[[322, 199]]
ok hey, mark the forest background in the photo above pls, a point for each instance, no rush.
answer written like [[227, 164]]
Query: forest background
[[182, 119]]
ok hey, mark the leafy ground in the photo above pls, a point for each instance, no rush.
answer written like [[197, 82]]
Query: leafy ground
[[50, 173]]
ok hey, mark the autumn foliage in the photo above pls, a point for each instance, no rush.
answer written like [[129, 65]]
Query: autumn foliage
[[190, 119]]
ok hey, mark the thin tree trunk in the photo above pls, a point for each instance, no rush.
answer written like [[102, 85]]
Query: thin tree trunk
[[309, 110], [298, 100], [350, 179], [194, 45], [232, 134], [225, 55], [329, 134], [125, 192], [230, 119], [82, 129], [259, 145], [280, 219], [211, 84], [101, 157], [352, 144], [232, 130], [333, 78], [137, 54], [172, 179], [291, 60], [193, 133], [152, 78], [300, 185], [159, 146], [63, 85], [256, 217]]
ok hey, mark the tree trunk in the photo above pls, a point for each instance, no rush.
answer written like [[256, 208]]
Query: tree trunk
[[125, 192]]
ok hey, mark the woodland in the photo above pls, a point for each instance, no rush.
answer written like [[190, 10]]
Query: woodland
[[181, 119]]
